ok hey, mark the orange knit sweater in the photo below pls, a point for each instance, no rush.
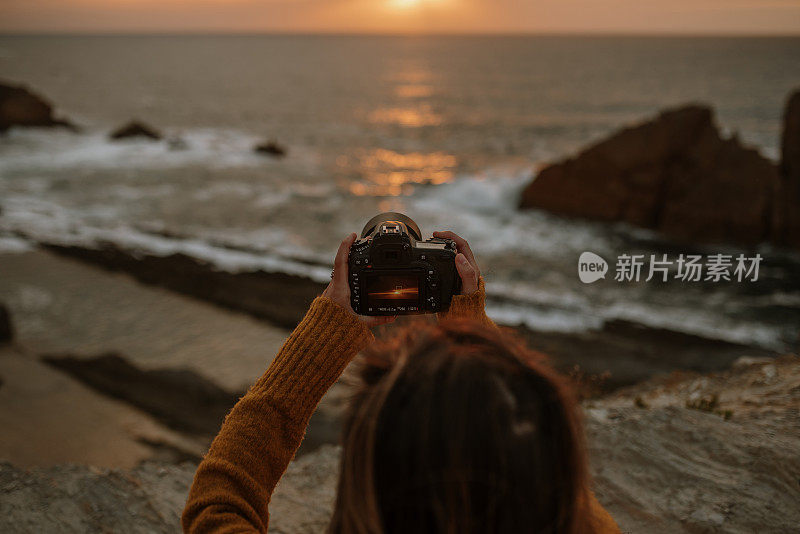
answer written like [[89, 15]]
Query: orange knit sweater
[[234, 482]]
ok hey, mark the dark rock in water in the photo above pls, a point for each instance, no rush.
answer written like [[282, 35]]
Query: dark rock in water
[[180, 398], [135, 129], [280, 298], [6, 329], [271, 148], [674, 174], [787, 218], [21, 107]]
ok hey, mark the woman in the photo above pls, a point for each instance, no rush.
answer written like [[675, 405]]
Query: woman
[[456, 428]]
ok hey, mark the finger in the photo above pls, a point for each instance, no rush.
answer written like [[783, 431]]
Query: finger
[[469, 277], [460, 241], [461, 245], [340, 262], [377, 320]]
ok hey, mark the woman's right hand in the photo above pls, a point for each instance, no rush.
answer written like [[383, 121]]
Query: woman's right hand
[[465, 262], [338, 289]]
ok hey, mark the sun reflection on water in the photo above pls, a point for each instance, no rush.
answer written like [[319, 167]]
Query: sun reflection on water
[[389, 173], [412, 117]]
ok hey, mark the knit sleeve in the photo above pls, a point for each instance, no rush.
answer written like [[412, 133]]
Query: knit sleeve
[[234, 482], [469, 306], [601, 520]]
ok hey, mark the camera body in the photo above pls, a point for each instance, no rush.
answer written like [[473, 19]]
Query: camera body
[[394, 272]]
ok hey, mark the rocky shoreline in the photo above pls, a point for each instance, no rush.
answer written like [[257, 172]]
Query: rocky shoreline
[[729, 464]]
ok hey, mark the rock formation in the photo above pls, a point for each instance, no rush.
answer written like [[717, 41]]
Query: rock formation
[[135, 129], [702, 453], [22, 107], [271, 148], [675, 174], [685, 453], [787, 212], [150, 498], [6, 330], [74, 498], [280, 298], [179, 398]]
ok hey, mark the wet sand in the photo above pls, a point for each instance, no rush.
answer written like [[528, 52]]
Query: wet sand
[[59, 305], [66, 312], [49, 419]]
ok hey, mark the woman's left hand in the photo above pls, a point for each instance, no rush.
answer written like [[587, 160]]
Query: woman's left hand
[[339, 290]]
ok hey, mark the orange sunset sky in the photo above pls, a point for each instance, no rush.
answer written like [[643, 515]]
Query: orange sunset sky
[[404, 16]]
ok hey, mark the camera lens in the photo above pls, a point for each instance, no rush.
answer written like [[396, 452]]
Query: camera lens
[[406, 221]]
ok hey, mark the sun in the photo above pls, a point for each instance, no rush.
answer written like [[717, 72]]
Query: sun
[[405, 4]]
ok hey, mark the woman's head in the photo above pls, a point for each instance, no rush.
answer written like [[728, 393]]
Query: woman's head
[[457, 427]]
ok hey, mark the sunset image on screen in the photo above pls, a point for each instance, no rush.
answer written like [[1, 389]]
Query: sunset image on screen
[[396, 293], [394, 289]]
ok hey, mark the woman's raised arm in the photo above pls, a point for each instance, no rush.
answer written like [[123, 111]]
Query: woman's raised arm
[[234, 483]]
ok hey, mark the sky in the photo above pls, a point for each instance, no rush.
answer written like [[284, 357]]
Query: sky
[[404, 16]]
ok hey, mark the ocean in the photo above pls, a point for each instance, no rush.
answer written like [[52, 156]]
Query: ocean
[[445, 129]]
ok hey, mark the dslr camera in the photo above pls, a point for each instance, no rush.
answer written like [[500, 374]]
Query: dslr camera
[[393, 271]]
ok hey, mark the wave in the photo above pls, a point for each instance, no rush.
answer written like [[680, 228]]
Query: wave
[[532, 254], [35, 149], [485, 208], [35, 221], [14, 245]]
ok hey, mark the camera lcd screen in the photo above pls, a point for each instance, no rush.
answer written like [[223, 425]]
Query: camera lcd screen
[[385, 292]]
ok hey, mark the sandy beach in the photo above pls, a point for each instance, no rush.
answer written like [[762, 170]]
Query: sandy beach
[[62, 308]]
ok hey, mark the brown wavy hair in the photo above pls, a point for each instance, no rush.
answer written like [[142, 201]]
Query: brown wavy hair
[[457, 427]]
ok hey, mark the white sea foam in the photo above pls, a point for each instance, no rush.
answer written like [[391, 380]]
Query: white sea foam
[[36, 149], [484, 208], [14, 245], [543, 319], [698, 322], [47, 222]]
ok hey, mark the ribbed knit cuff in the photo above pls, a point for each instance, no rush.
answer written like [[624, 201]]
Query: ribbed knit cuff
[[314, 357], [468, 306]]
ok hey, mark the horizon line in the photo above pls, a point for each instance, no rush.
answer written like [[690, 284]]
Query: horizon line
[[368, 33]]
